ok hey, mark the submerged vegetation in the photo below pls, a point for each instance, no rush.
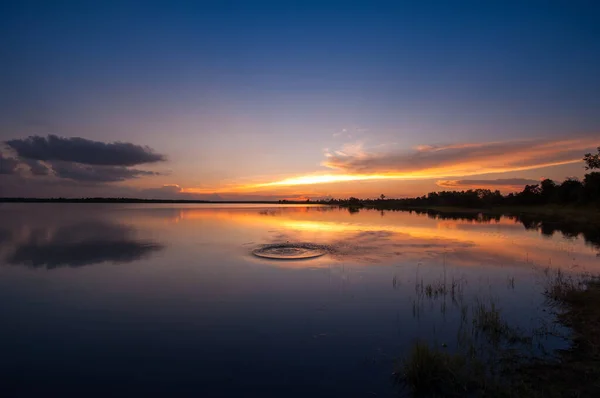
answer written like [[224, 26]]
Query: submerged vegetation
[[493, 359]]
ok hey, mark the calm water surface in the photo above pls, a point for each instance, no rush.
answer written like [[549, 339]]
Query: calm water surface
[[167, 300]]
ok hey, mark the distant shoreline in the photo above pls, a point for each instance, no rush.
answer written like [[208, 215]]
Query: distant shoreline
[[137, 200]]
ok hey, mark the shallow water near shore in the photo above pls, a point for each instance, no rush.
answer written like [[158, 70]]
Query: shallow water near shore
[[170, 299]]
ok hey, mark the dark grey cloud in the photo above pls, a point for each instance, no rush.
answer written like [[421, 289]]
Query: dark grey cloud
[[82, 172], [5, 235], [497, 183], [8, 165], [81, 244], [81, 150], [36, 167]]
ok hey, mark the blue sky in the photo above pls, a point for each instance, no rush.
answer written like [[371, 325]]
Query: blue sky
[[238, 92]]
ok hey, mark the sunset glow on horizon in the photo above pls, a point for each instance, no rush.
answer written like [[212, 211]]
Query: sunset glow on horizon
[[217, 102], [563, 151]]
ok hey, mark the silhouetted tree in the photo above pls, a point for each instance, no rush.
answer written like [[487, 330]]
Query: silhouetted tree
[[592, 161], [570, 191], [548, 190], [591, 183], [531, 195]]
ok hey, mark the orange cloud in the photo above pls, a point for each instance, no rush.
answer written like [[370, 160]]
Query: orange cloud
[[427, 162], [460, 159], [354, 163]]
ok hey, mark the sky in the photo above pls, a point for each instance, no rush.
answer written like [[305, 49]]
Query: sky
[[256, 100]]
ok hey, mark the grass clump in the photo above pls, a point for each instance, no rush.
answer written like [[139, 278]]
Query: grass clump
[[453, 288], [432, 372], [488, 321]]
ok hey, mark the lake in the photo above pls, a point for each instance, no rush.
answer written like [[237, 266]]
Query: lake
[[168, 300]]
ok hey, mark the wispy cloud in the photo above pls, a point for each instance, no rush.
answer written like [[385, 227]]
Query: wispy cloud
[[82, 172], [461, 159], [355, 163], [340, 133], [350, 132], [8, 165]]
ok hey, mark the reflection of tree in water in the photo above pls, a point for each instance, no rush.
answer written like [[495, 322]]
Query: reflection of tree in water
[[81, 244], [589, 231], [321, 209], [353, 210], [270, 212], [277, 211], [460, 216], [547, 226]]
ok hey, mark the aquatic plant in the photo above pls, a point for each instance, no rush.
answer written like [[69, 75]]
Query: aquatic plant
[[491, 356], [435, 372]]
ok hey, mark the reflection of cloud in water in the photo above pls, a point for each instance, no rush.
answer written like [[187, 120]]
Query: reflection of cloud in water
[[80, 244], [376, 246], [402, 237]]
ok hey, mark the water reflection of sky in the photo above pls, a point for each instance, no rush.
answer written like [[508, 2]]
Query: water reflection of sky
[[168, 299], [371, 237]]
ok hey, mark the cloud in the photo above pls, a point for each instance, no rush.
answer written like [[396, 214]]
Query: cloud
[[8, 165], [5, 235], [167, 191], [81, 150], [81, 172], [50, 186], [353, 163], [349, 132], [503, 184], [176, 192], [169, 188], [37, 167], [339, 133], [76, 159], [461, 159]]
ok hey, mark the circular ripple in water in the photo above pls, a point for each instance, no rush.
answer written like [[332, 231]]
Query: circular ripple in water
[[290, 251]]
